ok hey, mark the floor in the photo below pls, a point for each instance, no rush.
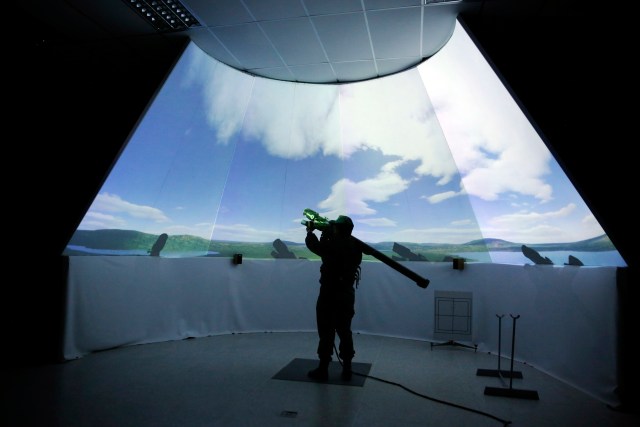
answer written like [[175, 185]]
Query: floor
[[228, 381]]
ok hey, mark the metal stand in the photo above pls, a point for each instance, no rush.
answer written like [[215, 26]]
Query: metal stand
[[455, 344], [512, 392], [498, 372]]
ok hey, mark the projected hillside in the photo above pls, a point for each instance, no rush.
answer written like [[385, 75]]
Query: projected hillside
[[437, 155], [128, 242]]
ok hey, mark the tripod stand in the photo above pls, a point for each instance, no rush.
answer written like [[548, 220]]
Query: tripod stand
[[510, 391], [498, 372]]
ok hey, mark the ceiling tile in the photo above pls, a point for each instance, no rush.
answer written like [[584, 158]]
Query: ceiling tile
[[316, 73], [249, 45], [277, 73], [395, 32], [437, 27], [295, 40], [206, 41], [218, 12], [323, 7], [354, 71], [344, 37], [391, 66], [275, 9], [390, 4], [275, 35]]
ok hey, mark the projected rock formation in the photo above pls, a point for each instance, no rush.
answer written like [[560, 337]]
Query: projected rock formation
[[574, 261], [534, 256], [159, 245], [406, 254], [281, 250]]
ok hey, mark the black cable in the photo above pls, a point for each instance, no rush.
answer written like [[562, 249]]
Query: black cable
[[504, 422]]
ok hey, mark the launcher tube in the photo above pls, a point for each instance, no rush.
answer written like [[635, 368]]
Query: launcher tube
[[368, 250]]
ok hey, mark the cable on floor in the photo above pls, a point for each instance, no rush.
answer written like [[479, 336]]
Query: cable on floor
[[504, 422]]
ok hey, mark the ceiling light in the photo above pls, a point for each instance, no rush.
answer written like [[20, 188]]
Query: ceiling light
[[164, 15]]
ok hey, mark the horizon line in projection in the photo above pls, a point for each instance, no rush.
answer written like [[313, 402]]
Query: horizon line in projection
[[440, 153]]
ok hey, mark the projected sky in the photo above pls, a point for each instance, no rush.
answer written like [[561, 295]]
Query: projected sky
[[437, 154]]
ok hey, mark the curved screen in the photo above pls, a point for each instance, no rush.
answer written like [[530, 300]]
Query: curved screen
[[432, 164]]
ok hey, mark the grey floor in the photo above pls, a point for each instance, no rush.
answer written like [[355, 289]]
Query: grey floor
[[228, 381]]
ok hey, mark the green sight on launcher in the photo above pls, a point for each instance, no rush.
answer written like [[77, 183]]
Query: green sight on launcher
[[314, 219]]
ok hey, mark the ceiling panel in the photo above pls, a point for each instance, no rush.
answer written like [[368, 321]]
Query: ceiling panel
[[277, 73], [249, 45], [388, 4], [323, 7], [388, 41], [437, 27], [203, 37], [344, 37], [218, 12], [266, 36], [316, 73], [354, 71], [303, 49], [390, 66], [275, 9]]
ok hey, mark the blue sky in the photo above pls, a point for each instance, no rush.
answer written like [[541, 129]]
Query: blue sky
[[437, 154]]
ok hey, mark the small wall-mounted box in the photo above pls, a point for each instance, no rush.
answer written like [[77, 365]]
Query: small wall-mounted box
[[458, 263]]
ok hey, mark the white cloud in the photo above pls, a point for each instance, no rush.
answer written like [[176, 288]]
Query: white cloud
[[440, 197], [295, 121], [292, 121], [98, 220], [245, 232], [542, 227], [394, 116], [226, 94], [542, 233], [378, 222], [463, 222], [106, 202], [494, 146], [455, 235], [497, 152], [526, 219], [352, 197]]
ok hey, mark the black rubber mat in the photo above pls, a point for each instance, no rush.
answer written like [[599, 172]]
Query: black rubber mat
[[297, 370]]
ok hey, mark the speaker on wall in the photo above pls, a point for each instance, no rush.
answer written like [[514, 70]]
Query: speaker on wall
[[458, 263]]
